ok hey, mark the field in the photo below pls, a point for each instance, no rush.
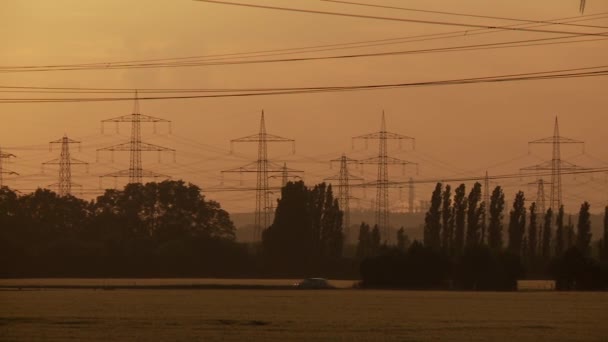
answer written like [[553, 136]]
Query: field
[[300, 315]]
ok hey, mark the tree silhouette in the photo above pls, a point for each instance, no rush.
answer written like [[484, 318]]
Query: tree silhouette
[[474, 216], [403, 240], [546, 242], [306, 231], [532, 233], [460, 207], [365, 241], [517, 224], [560, 232], [583, 236], [432, 221], [447, 220], [604, 245], [497, 206]]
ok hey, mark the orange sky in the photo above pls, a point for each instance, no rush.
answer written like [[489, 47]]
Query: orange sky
[[461, 130]]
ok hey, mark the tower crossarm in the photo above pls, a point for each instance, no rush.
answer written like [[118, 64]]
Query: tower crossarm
[[384, 135], [387, 160], [390, 184], [556, 140], [131, 118], [144, 147], [145, 173], [549, 165]]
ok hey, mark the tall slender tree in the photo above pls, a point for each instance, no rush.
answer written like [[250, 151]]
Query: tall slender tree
[[570, 234], [376, 240], [432, 221], [365, 241], [560, 233], [547, 227], [447, 220], [583, 228], [402, 240], [532, 233], [517, 224], [474, 216], [460, 212], [605, 238], [497, 206]]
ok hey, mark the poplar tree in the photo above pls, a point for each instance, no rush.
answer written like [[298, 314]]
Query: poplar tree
[[532, 233], [517, 224], [547, 227], [460, 207], [583, 229], [432, 221], [560, 233], [497, 206], [365, 241], [447, 220], [474, 215]]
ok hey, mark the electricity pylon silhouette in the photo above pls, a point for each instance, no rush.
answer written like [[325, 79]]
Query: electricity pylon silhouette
[[4, 171], [344, 178], [411, 196], [286, 175], [262, 166], [382, 182], [135, 146], [556, 165], [65, 161]]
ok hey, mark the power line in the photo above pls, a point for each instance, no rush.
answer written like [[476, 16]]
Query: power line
[[460, 14], [416, 21], [543, 75], [473, 47]]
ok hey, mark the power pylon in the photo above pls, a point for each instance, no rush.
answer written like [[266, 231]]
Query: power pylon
[[262, 167], [65, 161], [411, 195], [286, 175], [556, 165], [382, 182], [135, 146], [344, 178], [4, 171]]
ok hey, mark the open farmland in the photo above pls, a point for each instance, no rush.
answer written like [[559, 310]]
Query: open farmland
[[300, 315]]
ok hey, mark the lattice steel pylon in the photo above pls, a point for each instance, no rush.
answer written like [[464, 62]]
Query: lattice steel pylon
[[65, 161], [4, 171], [556, 165], [382, 182], [136, 146], [262, 167], [411, 195], [287, 174], [344, 178]]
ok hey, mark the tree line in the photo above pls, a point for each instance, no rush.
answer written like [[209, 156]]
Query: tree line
[[478, 250]]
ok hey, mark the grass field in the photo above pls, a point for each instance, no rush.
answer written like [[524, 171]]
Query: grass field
[[306, 315]]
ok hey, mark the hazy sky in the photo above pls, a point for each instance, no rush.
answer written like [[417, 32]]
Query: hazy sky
[[461, 130]]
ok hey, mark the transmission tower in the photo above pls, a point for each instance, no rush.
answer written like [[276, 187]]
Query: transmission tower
[[287, 174], [262, 167], [556, 165], [135, 146], [4, 171], [411, 196], [344, 178], [65, 162], [382, 182]]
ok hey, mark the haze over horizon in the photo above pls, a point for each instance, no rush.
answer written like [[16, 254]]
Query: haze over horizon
[[461, 130]]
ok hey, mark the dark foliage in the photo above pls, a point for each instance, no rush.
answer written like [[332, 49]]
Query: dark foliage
[[517, 224], [432, 221], [306, 232], [497, 205], [482, 269], [460, 212], [156, 229], [419, 268], [576, 271]]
